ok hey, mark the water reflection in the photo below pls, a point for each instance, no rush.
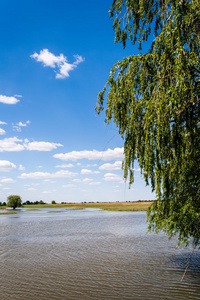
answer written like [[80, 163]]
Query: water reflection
[[91, 255]]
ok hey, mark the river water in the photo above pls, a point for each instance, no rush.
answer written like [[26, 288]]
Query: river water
[[91, 254]]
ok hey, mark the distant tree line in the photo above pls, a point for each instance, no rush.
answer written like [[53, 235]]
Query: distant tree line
[[33, 203]]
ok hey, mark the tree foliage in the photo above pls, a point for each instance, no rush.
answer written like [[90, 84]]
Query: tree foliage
[[153, 99], [14, 201]]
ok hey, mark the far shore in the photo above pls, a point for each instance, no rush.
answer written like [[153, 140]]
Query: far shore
[[111, 206]]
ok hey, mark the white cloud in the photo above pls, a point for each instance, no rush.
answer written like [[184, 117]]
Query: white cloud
[[95, 183], [3, 123], [86, 171], [49, 192], [112, 177], [117, 153], [18, 96], [33, 184], [85, 180], [31, 189], [65, 166], [2, 131], [49, 180], [18, 126], [42, 146], [15, 144], [7, 180], [21, 168], [109, 167], [8, 100], [93, 165], [6, 166], [77, 180], [68, 185], [11, 144], [23, 124], [48, 59], [45, 175], [60, 62]]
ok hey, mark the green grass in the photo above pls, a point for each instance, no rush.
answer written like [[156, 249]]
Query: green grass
[[74, 208], [111, 206], [33, 209], [8, 213]]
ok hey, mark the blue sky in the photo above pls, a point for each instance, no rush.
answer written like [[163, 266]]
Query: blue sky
[[55, 57]]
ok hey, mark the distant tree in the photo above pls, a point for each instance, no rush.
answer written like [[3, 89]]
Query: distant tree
[[41, 202], [53, 202], [14, 201]]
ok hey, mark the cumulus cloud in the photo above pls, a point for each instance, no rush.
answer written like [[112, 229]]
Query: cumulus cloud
[[49, 180], [88, 181], [42, 146], [91, 165], [109, 167], [95, 183], [65, 166], [21, 168], [49, 192], [8, 100], [112, 177], [86, 171], [115, 154], [59, 62], [68, 185], [7, 180], [15, 144], [11, 144], [18, 126], [45, 175], [6, 166], [2, 131], [3, 123], [23, 124]]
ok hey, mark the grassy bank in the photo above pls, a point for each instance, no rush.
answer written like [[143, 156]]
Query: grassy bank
[[112, 206], [8, 212]]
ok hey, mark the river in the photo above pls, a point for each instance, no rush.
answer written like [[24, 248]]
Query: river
[[91, 254]]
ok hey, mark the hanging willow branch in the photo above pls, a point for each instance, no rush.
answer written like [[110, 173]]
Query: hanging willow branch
[[153, 99]]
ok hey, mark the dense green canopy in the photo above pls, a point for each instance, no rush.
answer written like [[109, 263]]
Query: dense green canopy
[[154, 100], [14, 201]]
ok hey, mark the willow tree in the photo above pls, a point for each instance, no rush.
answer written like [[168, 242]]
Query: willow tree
[[153, 99]]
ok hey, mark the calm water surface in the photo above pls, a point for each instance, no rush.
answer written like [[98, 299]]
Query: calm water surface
[[91, 254]]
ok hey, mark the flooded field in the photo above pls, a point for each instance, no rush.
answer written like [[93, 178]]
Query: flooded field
[[91, 254]]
